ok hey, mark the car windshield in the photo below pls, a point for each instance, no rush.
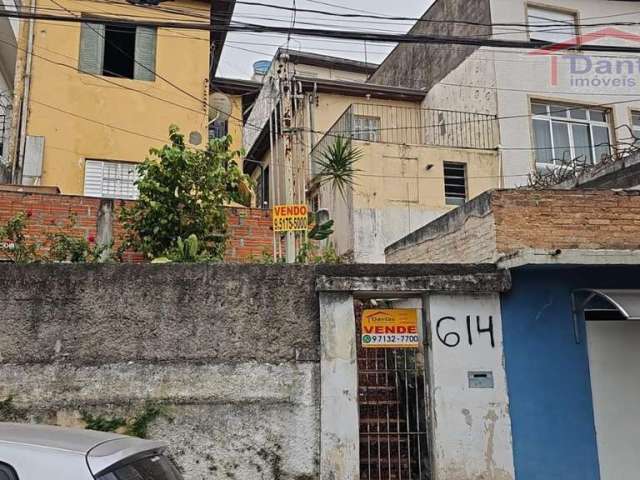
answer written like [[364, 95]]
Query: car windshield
[[157, 467]]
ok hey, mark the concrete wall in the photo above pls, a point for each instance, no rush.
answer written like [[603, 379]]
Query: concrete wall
[[105, 118], [231, 351], [401, 188], [548, 371], [471, 426], [422, 66]]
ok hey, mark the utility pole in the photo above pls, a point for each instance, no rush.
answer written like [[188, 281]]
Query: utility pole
[[286, 87], [18, 95]]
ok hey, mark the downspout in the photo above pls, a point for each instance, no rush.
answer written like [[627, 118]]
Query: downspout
[[312, 126], [18, 96], [272, 189], [25, 103]]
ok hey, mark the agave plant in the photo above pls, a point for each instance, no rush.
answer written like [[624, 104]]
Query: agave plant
[[337, 165]]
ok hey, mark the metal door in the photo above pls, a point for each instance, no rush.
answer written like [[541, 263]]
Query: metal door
[[393, 412]]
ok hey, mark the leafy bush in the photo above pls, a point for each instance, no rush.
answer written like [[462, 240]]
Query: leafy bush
[[65, 248], [14, 244], [182, 193]]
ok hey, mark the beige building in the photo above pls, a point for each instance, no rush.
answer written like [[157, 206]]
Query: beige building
[[415, 164]]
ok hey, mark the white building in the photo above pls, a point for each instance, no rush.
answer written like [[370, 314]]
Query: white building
[[551, 105]]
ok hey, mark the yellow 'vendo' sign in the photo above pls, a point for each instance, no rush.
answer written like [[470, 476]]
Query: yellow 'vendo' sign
[[397, 328], [290, 218]]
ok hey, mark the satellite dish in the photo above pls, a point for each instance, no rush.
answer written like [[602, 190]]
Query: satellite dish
[[219, 107]]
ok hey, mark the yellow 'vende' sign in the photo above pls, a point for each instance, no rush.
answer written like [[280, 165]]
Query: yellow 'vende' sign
[[385, 328], [290, 218]]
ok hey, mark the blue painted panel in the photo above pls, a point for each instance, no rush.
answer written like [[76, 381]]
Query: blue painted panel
[[548, 372]]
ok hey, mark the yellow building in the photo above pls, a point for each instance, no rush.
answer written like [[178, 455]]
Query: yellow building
[[100, 95], [415, 163]]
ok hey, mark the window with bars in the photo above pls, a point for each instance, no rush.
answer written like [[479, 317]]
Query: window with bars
[[366, 128], [564, 132], [107, 179], [635, 125], [549, 25], [455, 183]]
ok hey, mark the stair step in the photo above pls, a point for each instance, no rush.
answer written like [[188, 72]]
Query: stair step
[[377, 420], [373, 438], [374, 402]]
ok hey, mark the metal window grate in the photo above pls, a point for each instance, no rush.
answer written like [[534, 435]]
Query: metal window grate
[[393, 413], [455, 183], [409, 126], [110, 179], [366, 128]]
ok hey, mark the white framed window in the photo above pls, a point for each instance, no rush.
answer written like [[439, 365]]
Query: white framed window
[[566, 132], [455, 183], [107, 179], [635, 125], [366, 128], [549, 25]]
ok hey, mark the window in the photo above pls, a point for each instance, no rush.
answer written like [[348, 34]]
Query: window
[[118, 51], [563, 133], [550, 26], [366, 128], [218, 129], [635, 125], [157, 467], [110, 179], [455, 183], [7, 472]]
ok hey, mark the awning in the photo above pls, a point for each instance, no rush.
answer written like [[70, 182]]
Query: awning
[[608, 304], [603, 305]]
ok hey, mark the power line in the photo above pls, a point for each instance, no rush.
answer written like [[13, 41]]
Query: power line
[[379, 37], [423, 20]]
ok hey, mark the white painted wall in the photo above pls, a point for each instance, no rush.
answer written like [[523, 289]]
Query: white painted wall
[[503, 81], [339, 439], [614, 363], [376, 228], [471, 427]]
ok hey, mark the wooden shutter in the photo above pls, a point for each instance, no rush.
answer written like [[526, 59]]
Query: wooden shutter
[[91, 58], [145, 54]]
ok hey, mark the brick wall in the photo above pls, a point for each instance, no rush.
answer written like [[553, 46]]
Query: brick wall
[[464, 235], [566, 219], [250, 232], [503, 222]]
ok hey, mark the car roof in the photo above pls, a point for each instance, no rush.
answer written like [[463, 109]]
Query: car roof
[[60, 438]]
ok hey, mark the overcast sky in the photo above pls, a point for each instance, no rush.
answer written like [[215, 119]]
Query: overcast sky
[[242, 49]]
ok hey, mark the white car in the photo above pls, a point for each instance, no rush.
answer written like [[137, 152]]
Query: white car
[[37, 452]]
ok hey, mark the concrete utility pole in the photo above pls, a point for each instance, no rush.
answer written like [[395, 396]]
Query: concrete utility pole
[[286, 86], [19, 108]]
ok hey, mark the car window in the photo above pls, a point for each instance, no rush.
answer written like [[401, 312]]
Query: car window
[[7, 472], [157, 467]]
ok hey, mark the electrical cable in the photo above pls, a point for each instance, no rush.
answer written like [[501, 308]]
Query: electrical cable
[[392, 38]]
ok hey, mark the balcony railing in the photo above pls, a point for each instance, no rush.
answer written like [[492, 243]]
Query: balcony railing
[[410, 126]]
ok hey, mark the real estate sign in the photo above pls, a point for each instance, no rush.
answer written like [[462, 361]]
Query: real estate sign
[[290, 218], [390, 328]]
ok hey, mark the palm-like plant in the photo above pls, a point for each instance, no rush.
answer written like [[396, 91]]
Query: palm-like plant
[[337, 165]]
